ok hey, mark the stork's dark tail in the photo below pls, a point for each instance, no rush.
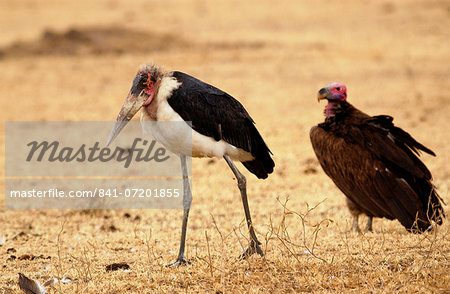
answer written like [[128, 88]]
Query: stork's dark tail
[[260, 168], [263, 163]]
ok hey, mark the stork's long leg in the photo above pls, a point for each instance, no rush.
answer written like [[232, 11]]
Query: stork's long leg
[[187, 200], [241, 181]]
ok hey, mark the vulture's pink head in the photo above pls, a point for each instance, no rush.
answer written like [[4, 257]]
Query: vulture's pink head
[[333, 92]]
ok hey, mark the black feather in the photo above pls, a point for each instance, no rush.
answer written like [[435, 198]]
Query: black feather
[[216, 114]]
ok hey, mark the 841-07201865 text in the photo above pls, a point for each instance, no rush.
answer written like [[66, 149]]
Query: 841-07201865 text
[[97, 193]]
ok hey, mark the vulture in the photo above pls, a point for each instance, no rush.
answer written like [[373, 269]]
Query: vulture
[[375, 164]]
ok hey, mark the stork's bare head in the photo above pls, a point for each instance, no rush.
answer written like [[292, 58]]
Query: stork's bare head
[[333, 92], [144, 89]]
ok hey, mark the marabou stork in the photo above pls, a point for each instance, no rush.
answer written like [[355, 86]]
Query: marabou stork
[[220, 127], [375, 164]]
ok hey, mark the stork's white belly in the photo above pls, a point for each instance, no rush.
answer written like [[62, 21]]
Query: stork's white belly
[[177, 136]]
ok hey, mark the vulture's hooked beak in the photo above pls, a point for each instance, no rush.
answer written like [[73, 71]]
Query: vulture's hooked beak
[[322, 94], [129, 108]]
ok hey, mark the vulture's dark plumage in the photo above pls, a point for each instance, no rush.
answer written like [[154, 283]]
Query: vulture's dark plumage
[[375, 164]]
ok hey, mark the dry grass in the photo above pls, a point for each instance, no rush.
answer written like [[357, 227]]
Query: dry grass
[[394, 58]]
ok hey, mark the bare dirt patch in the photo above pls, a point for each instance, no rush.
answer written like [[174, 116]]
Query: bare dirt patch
[[112, 40], [93, 40]]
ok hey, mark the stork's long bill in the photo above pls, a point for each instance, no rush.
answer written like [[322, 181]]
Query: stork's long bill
[[137, 97]]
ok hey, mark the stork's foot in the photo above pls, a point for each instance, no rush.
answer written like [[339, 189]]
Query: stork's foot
[[180, 261], [253, 248]]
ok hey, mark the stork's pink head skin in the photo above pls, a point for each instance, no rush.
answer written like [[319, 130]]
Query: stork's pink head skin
[[333, 92], [145, 84]]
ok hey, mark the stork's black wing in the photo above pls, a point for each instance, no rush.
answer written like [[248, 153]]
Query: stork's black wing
[[377, 167], [216, 114]]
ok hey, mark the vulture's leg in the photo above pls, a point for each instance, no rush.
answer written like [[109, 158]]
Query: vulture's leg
[[355, 227], [369, 224], [241, 181], [187, 200], [355, 211]]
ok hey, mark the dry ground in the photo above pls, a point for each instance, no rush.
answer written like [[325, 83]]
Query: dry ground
[[74, 60]]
